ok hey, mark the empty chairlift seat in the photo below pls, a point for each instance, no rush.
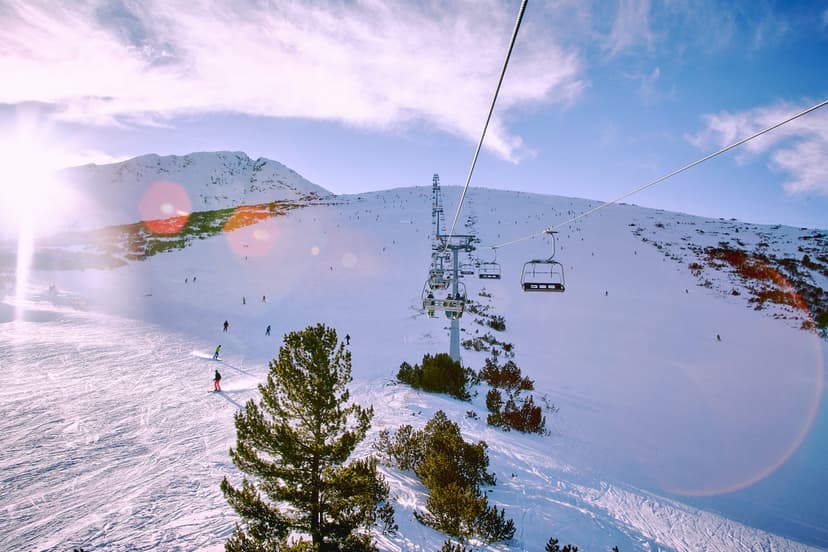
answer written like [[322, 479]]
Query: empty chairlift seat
[[488, 271], [543, 275]]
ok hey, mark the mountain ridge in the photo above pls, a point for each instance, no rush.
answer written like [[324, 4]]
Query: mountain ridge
[[152, 186]]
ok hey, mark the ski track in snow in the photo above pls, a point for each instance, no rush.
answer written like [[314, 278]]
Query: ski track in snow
[[111, 440], [114, 442]]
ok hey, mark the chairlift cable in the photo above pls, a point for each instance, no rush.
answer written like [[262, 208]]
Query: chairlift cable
[[665, 177], [488, 118]]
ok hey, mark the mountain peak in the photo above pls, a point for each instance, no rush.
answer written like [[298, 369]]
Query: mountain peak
[[112, 193]]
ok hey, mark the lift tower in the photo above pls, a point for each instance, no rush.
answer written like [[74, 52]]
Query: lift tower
[[455, 243]]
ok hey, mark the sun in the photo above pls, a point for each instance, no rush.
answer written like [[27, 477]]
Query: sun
[[31, 198], [30, 195]]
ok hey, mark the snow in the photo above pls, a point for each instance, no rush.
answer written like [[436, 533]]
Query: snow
[[113, 441], [117, 193]]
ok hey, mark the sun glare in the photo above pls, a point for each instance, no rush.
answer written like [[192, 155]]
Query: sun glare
[[29, 194], [30, 197]]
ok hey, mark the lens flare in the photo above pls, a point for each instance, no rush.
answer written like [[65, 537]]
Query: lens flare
[[32, 200], [165, 208], [758, 416], [349, 260], [251, 231]]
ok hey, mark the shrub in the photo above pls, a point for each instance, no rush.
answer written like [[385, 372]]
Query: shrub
[[494, 400], [507, 376], [452, 470], [449, 546], [527, 418], [493, 526], [552, 546], [497, 322], [438, 374]]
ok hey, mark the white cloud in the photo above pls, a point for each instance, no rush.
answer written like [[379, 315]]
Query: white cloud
[[648, 89], [799, 149], [630, 27], [367, 63]]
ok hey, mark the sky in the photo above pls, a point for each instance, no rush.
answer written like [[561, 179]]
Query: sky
[[599, 98]]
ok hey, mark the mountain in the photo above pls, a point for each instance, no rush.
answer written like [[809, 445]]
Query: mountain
[[662, 437], [115, 193]]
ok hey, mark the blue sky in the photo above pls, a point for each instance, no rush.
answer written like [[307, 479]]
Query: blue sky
[[601, 97]]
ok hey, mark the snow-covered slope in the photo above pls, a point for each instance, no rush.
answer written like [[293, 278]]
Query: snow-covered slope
[[123, 192], [112, 441]]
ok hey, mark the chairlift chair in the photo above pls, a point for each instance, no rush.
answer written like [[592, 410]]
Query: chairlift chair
[[452, 305], [437, 279], [489, 270], [543, 274]]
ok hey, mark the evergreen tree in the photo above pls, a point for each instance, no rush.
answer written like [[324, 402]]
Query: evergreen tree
[[293, 444], [553, 546]]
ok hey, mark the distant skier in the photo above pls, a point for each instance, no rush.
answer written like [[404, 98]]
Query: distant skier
[[267, 331], [194, 279], [264, 299], [226, 325], [244, 301], [217, 381], [347, 339], [718, 337], [186, 280], [216, 354]]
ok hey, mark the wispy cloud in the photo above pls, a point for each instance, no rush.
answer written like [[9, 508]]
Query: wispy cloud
[[648, 86], [631, 26], [367, 63], [798, 149]]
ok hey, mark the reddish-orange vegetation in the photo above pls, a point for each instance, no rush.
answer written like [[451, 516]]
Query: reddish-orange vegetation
[[247, 215], [166, 227], [776, 288]]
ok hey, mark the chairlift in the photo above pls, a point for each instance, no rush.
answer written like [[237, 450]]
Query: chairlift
[[489, 270], [466, 269], [452, 304], [437, 279], [543, 274]]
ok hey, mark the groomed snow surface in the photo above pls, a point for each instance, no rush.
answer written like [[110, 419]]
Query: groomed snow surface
[[112, 439]]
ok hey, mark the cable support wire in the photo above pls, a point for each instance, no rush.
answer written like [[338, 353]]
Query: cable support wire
[[666, 176], [488, 118]]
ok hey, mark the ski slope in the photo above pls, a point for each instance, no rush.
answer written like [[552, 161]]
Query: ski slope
[[113, 441]]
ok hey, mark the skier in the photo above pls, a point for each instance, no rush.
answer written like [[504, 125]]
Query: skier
[[264, 299], [718, 337], [267, 331], [194, 279], [185, 280], [217, 381], [216, 354], [347, 339], [244, 301], [226, 325]]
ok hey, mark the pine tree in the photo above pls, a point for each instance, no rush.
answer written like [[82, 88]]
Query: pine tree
[[293, 444]]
